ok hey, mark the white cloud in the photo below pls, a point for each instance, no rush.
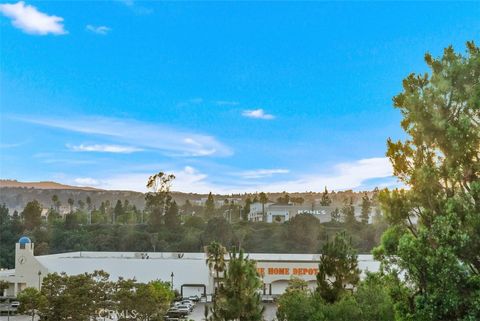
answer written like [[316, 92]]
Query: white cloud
[[104, 148], [86, 181], [348, 175], [171, 141], [261, 173], [31, 21], [258, 114], [101, 30]]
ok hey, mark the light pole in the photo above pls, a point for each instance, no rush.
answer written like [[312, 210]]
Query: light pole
[[171, 284], [39, 284]]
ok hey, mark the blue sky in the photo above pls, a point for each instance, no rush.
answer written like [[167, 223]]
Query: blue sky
[[229, 96]]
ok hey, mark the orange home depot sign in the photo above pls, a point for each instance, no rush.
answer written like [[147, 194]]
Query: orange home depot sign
[[287, 271]]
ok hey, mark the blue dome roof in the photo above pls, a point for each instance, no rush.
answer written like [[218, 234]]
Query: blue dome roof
[[24, 240]]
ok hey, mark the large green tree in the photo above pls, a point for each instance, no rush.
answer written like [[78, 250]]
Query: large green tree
[[30, 301], [338, 270], [238, 296], [32, 215], [159, 199], [434, 238]]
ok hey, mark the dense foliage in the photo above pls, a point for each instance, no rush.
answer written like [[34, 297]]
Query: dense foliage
[[238, 294], [303, 234], [434, 238], [90, 296], [339, 295]]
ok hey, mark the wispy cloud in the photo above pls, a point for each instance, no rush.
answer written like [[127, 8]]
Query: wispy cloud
[[227, 103], [12, 145], [30, 20], [172, 141], [104, 148], [348, 175], [258, 114], [136, 9], [100, 30], [189, 102], [262, 173]]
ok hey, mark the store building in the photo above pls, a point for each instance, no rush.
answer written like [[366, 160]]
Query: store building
[[191, 275]]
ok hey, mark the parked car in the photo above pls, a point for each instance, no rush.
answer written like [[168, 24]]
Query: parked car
[[188, 302], [183, 309], [194, 298]]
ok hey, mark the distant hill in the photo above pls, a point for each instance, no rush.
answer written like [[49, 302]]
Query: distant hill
[[15, 195], [42, 185]]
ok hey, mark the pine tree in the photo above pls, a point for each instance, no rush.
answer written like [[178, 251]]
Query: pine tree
[[435, 224], [209, 210], [238, 296], [246, 208], [325, 201], [348, 212], [338, 269], [366, 209]]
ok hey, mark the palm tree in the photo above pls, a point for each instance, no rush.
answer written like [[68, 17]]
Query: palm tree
[[216, 259], [263, 199]]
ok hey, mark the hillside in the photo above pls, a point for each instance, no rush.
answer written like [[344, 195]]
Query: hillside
[[16, 195]]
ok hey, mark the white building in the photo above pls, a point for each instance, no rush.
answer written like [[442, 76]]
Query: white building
[[191, 274], [280, 213]]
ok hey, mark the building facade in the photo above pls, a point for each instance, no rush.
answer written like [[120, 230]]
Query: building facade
[[191, 275]]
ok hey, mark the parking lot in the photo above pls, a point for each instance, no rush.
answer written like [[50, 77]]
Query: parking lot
[[198, 312], [196, 315]]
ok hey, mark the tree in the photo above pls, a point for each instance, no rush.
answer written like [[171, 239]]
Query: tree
[[297, 200], [348, 212], [238, 296], [159, 199], [216, 260], [295, 304], [32, 215], [325, 201], [88, 200], [246, 208], [434, 238], [4, 285], [118, 211], [303, 232], [56, 203], [81, 204], [30, 300], [187, 208], [335, 214], [373, 298], [70, 202], [366, 209], [152, 300], [209, 210], [338, 269], [172, 221], [262, 198], [285, 199]]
